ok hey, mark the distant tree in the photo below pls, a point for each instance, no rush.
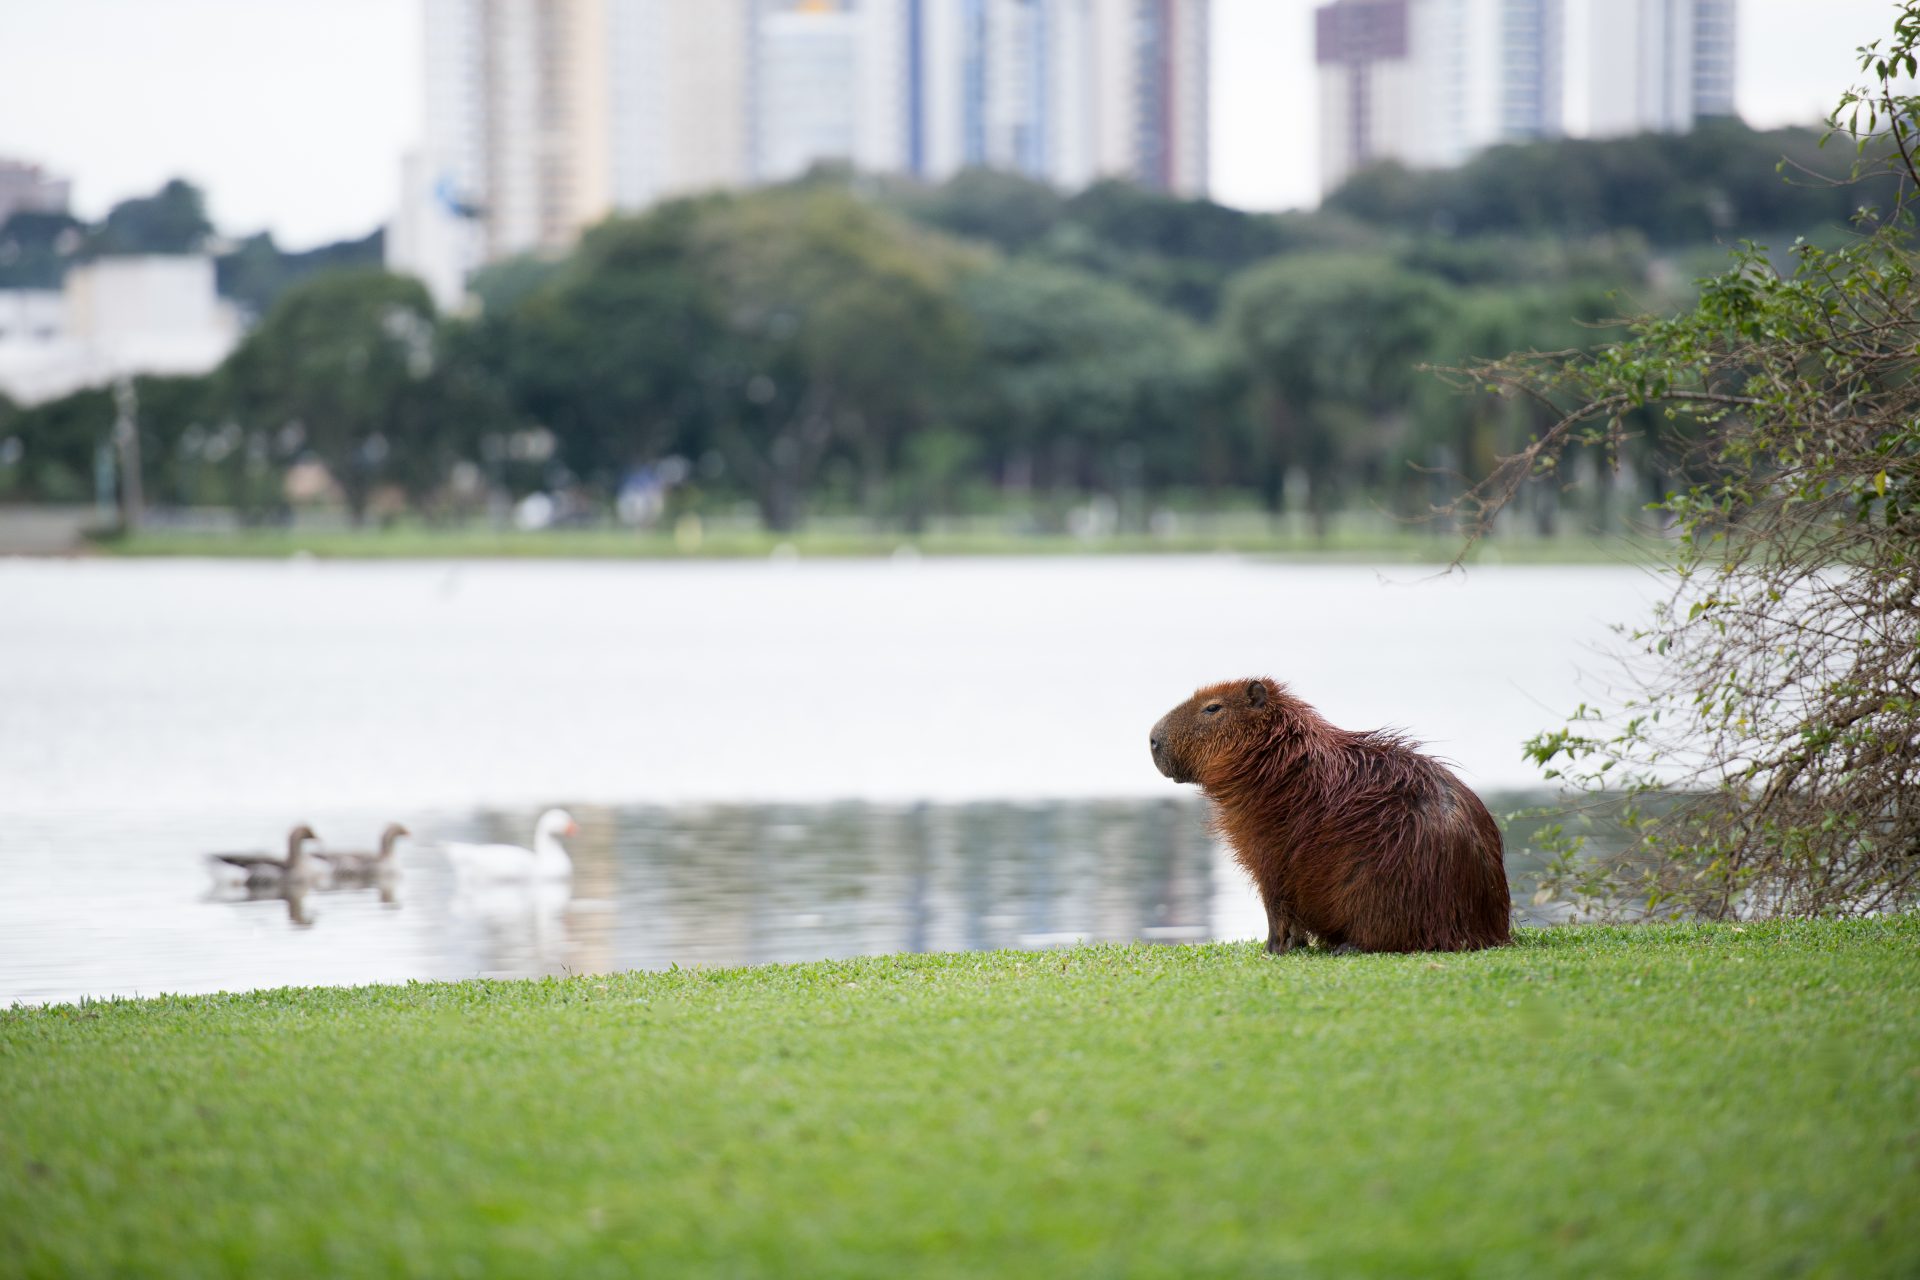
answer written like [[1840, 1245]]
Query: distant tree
[[505, 284], [1769, 743], [55, 445], [609, 351], [1131, 217], [841, 326], [1007, 210], [1179, 253], [1076, 375], [769, 329], [35, 248], [178, 420], [1458, 430], [1332, 344], [257, 271], [341, 365], [1718, 182], [173, 220], [1619, 261]]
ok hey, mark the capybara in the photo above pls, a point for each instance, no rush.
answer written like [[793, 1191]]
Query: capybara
[[1355, 838]]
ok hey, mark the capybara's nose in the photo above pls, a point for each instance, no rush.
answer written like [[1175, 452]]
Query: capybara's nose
[[1153, 741]]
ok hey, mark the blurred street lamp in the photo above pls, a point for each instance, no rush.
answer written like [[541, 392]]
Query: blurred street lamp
[[126, 440]]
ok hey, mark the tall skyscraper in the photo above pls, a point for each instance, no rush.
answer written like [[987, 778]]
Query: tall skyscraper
[[827, 82], [1062, 90], [1430, 82], [1660, 65], [1368, 85], [678, 77], [515, 146], [1715, 25], [541, 115]]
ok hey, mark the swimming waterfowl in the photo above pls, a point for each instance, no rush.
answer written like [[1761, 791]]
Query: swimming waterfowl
[[547, 860], [265, 869], [362, 866]]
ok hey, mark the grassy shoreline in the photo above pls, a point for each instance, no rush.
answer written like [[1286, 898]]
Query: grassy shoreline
[[424, 543], [1656, 1101]]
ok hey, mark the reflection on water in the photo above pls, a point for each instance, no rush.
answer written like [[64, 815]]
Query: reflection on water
[[104, 907], [99, 906]]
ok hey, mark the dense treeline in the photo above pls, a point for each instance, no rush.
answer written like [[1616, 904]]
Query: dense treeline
[[989, 345], [1721, 182]]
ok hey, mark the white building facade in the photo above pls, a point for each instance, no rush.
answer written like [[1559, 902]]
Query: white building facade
[[145, 314]]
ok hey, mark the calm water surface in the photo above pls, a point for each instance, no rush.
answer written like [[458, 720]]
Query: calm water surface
[[768, 761]]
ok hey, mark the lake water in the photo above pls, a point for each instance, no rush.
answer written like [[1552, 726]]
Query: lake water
[[768, 761]]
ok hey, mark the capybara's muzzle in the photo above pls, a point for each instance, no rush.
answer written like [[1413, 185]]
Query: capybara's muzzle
[[1162, 757]]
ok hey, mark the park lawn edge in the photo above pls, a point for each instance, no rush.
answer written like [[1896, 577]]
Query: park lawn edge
[[605, 544], [1577, 937], [1647, 1100]]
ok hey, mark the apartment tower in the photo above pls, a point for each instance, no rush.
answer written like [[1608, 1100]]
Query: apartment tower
[[1660, 65], [1430, 82]]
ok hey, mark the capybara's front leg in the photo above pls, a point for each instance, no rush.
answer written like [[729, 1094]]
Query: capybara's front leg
[[1282, 932]]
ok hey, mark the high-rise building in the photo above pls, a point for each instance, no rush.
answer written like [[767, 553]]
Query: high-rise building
[[1062, 90], [515, 152], [1660, 65], [815, 65], [1714, 45], [1368, 86], [1430, 82], [541, 115], [678, 97]]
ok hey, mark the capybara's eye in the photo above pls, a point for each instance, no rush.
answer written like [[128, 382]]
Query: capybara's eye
[[1210, 708]]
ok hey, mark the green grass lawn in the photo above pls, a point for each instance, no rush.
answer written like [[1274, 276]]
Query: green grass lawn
[[1666, 1101], [419, 542]]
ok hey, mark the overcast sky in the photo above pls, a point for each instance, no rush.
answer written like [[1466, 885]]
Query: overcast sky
[[292, 114]]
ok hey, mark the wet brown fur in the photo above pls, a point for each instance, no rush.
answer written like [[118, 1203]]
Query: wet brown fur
[[1355, 838]]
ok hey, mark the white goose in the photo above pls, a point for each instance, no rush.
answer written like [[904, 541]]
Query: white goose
[[547, 860]]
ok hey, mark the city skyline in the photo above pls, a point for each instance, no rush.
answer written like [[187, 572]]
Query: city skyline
[[323, 164]]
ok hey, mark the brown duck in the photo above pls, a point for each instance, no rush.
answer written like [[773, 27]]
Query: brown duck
[[359, 865], [258, 869]]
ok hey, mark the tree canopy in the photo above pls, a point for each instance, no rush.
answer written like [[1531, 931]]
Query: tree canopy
[[1768, 735], [1720, 181], [172, 220]]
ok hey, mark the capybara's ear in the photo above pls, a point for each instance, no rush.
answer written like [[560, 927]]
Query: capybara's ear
[[1257, 692]]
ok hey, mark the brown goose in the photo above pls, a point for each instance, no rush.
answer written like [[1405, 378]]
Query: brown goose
[[366, 866], [265, 869]]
